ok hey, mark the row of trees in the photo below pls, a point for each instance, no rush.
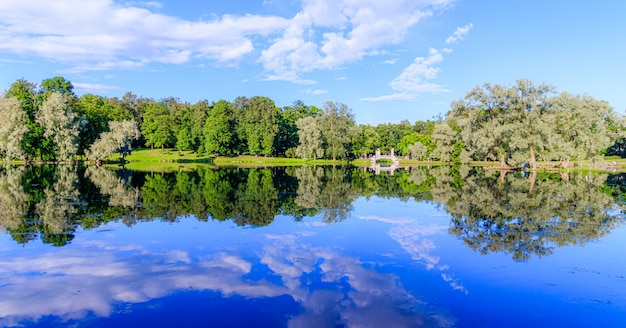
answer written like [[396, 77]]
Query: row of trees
[[516, 125]]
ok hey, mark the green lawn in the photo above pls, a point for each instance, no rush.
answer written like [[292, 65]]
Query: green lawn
[[171, 159]]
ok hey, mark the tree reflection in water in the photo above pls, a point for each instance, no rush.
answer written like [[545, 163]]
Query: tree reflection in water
[[527, 214], [517, 213]]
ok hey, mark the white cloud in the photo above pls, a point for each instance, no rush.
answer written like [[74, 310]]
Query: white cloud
[[94, 88], [351, 29], [316, 92], [414, 79], [459, 34], [392, 97], [107, 32], [116, 35], [391, 61]]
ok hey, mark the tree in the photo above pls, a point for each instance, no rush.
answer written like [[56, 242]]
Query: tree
[[157, 126], [310, 138], [444, 138], [190, 135], [98, 112], [336, 125], [365, 140], [409, 140], [287, 137], [417, 151], [258, 123], [582, 127], [526, 122], [60, 126], [482, 118], [26, 93], [219, 129], [57, 84], [33, 141], [117, 140], [13, 126]]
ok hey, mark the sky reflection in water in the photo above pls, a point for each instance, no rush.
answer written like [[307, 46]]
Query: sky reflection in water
[[390, 263]]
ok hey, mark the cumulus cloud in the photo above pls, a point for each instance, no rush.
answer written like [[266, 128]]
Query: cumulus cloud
[[459, 34], [351, 30], [116, 35], [414, 80], [414, 76], [107, 32]]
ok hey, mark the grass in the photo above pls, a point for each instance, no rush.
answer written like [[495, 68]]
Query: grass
[[163, 155], [174, 160]]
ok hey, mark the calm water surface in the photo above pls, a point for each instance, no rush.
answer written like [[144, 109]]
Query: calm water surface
[[311, 247]]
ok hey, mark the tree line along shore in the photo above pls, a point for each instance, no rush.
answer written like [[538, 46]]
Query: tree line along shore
[[515, 126]]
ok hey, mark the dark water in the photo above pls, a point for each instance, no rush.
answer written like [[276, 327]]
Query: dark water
[[311, 247]]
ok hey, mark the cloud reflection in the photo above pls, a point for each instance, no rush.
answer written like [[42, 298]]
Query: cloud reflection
[[414, 239], [90, 277]]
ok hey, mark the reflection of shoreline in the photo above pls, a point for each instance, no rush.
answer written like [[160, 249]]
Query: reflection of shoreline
[[412, 237], [90, 277]]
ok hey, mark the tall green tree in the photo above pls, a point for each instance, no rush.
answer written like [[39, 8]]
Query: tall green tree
[[365, 140], [310, 138], [13, 120], [444, 138], [258, 123], [485, 128], [158, 126], [190, 131], [33, 142], [287, 136], [527, 122], [60, 126], [220, 129], [337, 125]]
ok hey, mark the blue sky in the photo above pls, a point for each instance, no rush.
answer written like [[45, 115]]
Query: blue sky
[[388, 60]]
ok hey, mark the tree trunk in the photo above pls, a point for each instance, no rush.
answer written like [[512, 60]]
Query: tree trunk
[[533, 160], [533, 179]]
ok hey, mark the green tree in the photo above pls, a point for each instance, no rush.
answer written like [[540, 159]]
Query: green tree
[[60, 126], [33, 142], [445, 139], [310, 138], [258, 123], [365, 140], [13, 126], [157, 126], [190, 134], [220, 129], [287, 137], [337, 125], [582, 127], [417, 151], [57, 84], [117, 140], [26, 93]]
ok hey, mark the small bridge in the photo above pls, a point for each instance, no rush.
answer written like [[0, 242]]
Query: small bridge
[[391, 156], [376, 167]]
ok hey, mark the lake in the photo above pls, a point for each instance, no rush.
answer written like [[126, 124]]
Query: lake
[[311, 247]]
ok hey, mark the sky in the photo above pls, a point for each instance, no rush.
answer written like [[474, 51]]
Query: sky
[[389, 60]]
